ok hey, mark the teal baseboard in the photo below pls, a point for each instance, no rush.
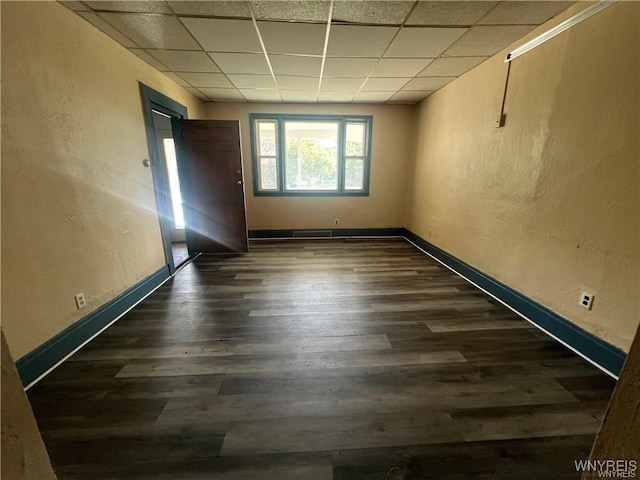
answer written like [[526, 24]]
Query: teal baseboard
[[594, 348], [335, 232], [39, 361]]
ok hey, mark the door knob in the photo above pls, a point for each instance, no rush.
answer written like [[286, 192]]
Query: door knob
[[240, 182]]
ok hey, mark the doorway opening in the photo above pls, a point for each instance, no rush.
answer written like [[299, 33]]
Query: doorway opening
[[167, 155], [160, 115], [198, 180]]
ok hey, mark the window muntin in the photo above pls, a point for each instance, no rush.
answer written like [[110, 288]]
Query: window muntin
[[311, 154]]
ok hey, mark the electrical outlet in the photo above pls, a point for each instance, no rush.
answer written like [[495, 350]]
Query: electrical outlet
[[80, 301], [336, 221], [428, 233], [586, 300]]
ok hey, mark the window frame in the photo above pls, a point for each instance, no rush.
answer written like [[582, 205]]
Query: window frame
[[280, 119]]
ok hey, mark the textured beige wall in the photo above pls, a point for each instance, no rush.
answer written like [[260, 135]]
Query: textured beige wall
[[618, 438], [24, 456], [549, 203], [390, 158], [78, 208]]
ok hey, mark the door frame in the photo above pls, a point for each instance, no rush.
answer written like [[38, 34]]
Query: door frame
[[154, 100]]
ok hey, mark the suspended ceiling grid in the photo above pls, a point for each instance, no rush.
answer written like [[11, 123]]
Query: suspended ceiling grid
[[315, 51]]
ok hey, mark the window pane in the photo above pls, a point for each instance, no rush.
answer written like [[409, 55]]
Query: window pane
[[174, 183], [354, 146], [268, 174], [311, 155], [354, 174], [267, 138]]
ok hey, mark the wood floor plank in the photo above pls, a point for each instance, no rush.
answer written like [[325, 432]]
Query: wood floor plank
[[419, 426], [280, 362], [204, 349], [320, 359], [454, 325], [529, 422], [316, 344], [528, 459]]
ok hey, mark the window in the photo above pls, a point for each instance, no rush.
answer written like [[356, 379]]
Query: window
[[310, 154]]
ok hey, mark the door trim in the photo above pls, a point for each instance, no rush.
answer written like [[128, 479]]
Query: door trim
[[154, 100]]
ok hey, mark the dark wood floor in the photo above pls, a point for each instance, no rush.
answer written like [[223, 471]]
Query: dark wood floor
[[320, 360]]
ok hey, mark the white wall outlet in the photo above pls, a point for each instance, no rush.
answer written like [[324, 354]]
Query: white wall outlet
[[336, 221], [80, 301], [586, 300]]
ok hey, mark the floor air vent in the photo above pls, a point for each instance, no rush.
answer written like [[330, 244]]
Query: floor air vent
[[312, 233]]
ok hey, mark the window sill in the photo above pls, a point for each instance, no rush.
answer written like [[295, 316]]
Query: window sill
[[311, 194]]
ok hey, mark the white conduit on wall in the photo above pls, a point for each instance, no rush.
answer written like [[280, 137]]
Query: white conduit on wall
[[567, 24]]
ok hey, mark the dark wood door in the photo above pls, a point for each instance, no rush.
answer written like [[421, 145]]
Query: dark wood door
[[211, 180]]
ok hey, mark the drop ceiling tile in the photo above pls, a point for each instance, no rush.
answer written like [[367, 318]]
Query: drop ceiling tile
[[299, 96], [292, 10], [297, 38], [76, 6], [218, 8], [197, 93], [486, 41], [341, 84], [149, 59], [295, 65], [519, 13], [384, 84], [261, 95], [152, 31], [224, 35], [340, 97], [96, 21], [240, 99], [252, 81], [183, 61], [129, 6], [222, 94], [206, 80], [428, 83], [410, 95], [450, 66], [373, 96], [288, 82], [423, 42], [400, 67], [449, 13], [241, 62], [358, 11], [349, 67], [177, 78], [359, 41]]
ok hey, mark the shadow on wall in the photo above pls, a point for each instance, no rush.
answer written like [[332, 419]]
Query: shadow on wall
[[618, 438], [24, 456]]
